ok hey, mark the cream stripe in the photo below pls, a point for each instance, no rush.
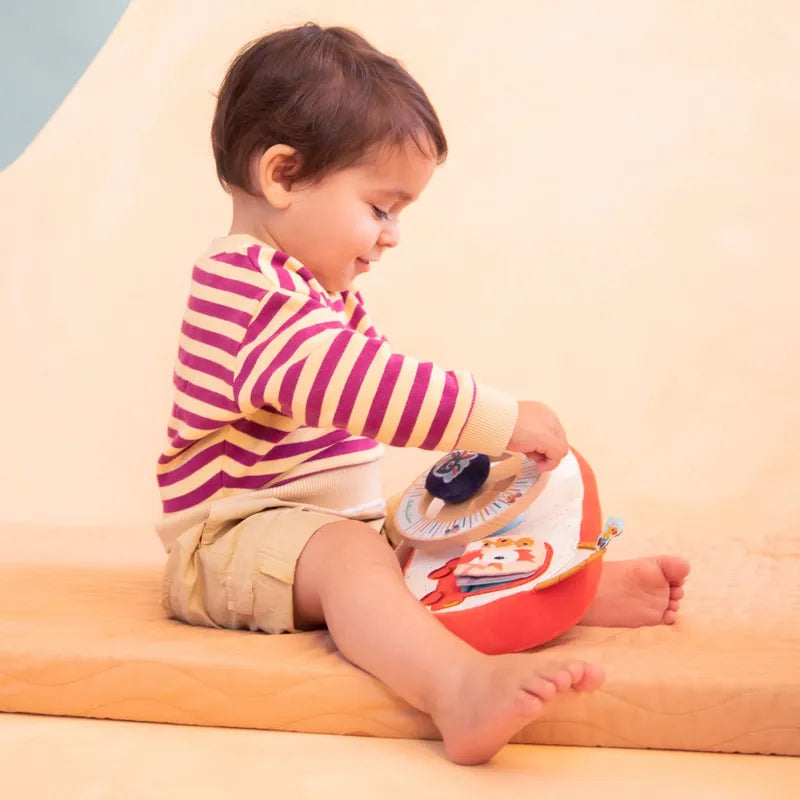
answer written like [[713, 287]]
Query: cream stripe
[[200, 446], [333, 393], [263, 417], [308, 373], [287, 310], [230, 272], [204, 380], [321, 341], [368, 389], [428, 411], [203, 409], [398, 401], [206, 351], [191, 482], [364, 324], [186, 431], [290, 265], [211, 294], [460, 412], [273, 466], [298, 436], [215, 325]]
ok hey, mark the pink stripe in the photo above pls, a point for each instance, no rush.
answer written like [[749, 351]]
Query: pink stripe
[[249, 481], [443, 413], [279, 258], [224, 343], [275, 302], [469, 413], [177, 443], [266, 314], [191, 466], [416, 396], [195, 420], [204, 365], [196, 392], [295, 449], [348, 399], [218, 311], [248, 458], [284, 276], [261, 432], [196, 496], [308, 277], [383, 395], [227, 284], [243, 456], [240, 259], [258, 395], [285, 279], [356, 317], [307, 308], [288, 385], [326, 370], [350, 445]]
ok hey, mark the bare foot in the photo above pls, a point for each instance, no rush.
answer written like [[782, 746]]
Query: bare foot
[[480, 708], [640, 591]]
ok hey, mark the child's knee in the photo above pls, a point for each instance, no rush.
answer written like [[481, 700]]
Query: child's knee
[[348, 540]]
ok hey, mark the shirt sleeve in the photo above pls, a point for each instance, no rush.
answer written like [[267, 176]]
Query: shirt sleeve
[[299, 358]]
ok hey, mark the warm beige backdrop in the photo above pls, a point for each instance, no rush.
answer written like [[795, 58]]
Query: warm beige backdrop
[[615, 233]]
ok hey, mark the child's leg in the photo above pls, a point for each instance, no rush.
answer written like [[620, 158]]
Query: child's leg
[[349, 578]]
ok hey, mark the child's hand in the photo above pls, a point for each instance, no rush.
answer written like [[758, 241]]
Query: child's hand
[[539, 435]]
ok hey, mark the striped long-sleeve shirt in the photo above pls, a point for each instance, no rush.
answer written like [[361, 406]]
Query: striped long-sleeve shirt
[[277, 380]]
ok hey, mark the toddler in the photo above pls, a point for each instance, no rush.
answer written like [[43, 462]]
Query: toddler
[[285, 390]]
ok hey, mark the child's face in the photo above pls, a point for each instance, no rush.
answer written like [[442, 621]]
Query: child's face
[[336, 226]]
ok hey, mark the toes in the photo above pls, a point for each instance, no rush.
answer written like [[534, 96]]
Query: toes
[[563, 677], [563, 680], [669, 617], [673, 605], [575, 670], [592, 678], [675, 569], [676, 592]]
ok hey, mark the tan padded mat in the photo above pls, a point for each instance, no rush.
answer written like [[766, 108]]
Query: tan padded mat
[[82, 634]]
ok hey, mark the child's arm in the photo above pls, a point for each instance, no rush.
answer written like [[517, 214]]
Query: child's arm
[[299, 358]]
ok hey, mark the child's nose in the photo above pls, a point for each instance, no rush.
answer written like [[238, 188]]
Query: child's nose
[[390, 235]]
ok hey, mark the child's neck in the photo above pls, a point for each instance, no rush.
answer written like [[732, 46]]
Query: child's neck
[[251, 217]]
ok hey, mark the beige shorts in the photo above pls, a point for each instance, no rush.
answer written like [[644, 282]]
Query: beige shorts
[[236, 568]]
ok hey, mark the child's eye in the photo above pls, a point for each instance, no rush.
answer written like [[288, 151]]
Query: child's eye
[[380, 214]]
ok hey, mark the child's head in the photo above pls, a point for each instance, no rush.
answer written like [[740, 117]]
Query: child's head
[[321, 141]]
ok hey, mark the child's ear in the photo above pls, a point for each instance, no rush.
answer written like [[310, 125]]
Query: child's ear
[[275, 172]]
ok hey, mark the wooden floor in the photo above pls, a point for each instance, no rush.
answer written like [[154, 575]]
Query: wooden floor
[[78, 759]]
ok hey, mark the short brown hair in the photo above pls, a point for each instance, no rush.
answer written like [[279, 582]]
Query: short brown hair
[[326, 92]]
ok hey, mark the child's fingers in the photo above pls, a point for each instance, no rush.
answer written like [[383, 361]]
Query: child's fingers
[[549, 457], [544, 462]]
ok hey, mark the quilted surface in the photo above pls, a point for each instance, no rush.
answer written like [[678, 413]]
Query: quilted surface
[[82, 634]]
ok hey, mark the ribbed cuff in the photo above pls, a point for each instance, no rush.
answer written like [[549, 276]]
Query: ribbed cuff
[[491, 422]]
